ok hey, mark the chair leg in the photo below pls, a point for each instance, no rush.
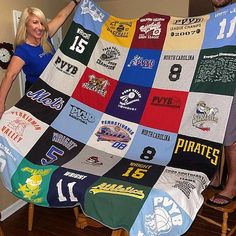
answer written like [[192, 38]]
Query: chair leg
[[30, 216], [232, 231], [222, 164], [119, 232], [1, 232], [224, 224], [76, 212]]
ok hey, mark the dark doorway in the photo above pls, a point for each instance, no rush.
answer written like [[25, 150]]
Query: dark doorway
[[200, 7]]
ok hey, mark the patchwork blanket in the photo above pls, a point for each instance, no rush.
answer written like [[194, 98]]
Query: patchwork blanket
[[127, 120]]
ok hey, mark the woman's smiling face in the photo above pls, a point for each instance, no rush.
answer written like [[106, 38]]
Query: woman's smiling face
[[34, 28]]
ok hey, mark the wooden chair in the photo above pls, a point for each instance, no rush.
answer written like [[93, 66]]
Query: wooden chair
[[31, 215], [83, 221], [225, 210]]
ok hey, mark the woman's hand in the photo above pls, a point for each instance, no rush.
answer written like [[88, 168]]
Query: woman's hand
[[2, 109]]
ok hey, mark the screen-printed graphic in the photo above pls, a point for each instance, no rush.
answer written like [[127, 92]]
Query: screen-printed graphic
[[185, 33]]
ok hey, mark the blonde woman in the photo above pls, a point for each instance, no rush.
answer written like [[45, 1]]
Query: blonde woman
[[33, 47]]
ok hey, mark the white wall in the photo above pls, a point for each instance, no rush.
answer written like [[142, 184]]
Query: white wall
[[137, 8]]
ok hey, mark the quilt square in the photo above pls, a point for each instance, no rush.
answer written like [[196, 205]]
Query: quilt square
[[95, 89], [76, 119], [150, 31], [70, 187], [197, 155], [161, 214], [152, 146], [93, 161], [140, 67], [31, 182], [206, 116], [55, 148], [129, 198], [79, 43], [185, 33], [136, 172], [220, 28], [43, 102], [17, 127], [128, 102], [164, 109], [10, 159], [91, 16], [113, 135], [108, 59], [175, 70], [119, 31], [63, 70], [216, 71]]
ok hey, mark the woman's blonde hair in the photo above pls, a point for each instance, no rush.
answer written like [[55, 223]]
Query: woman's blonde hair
[[21, 33]]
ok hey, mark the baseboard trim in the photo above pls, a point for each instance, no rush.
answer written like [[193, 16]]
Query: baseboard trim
[[12, 209]]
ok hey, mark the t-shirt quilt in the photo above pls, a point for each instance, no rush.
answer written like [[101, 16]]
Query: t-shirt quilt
[[127, 120]]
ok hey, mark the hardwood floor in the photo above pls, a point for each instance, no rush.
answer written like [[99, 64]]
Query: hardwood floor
[[61, 222]]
